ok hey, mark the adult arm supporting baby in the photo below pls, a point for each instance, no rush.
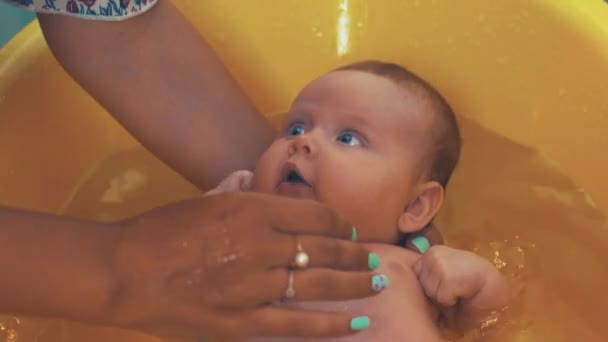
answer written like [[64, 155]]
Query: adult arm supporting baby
[[160, 79], [64, 271], [178, 270]]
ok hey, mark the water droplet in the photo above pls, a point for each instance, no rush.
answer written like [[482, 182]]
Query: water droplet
[[319, 34], [359, 24]]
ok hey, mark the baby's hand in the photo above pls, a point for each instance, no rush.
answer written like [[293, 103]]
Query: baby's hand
[[237, 181], [448, 275], [467, 287]]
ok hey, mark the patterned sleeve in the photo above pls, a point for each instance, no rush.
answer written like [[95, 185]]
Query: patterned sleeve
[[87, 9]]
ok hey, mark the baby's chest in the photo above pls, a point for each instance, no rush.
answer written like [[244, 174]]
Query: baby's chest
[[400, 313]]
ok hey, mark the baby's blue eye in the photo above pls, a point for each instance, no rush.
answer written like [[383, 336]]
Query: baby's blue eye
[[349, 139], [296, 130]]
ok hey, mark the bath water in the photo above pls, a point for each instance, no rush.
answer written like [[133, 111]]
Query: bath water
[[507, 202]]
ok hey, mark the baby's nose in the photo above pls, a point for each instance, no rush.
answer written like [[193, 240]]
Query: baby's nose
[[303, 145]]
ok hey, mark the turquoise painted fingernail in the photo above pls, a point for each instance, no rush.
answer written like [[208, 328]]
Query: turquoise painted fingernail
[[379, 282], [373, 262], [353, 234], [359, 323], [421, 243]]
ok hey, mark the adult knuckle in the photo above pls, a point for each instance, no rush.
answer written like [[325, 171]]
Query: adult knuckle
[[326, 327], [299, 329], [240, 212], [317, 327], [232, 329], [335, 220], [325, 215], [333, 250], [324, 283]]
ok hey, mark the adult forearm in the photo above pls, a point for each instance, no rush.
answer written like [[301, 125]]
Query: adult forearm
[[55, 267], [159, 78]]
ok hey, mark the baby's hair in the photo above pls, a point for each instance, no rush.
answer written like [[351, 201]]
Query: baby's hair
[[446, 134]]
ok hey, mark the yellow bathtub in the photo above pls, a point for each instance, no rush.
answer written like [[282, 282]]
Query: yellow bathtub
[[529, 79]]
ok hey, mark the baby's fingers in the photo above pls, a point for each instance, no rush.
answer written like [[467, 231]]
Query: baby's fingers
[[445, 296], [283, 322], [429, 279]]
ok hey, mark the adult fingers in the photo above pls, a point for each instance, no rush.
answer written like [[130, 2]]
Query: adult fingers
[[305, 285], [323, 284], [282, 322], [422, 241], [307, 217], [320, 252]]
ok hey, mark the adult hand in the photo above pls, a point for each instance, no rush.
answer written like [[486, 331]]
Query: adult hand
[[211, 267], [422, 241]]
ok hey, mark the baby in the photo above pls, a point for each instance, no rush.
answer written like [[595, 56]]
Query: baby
[[378, 145]]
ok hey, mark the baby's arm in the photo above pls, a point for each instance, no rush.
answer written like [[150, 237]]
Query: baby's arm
[[466, 286], [161, 80]]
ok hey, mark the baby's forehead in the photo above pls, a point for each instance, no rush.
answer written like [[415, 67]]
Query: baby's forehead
[[363, 95]]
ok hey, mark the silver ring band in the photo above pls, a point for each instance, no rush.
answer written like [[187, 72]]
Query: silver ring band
[[290, 291]]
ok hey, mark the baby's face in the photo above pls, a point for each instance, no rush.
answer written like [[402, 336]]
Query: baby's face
[[354, 141]]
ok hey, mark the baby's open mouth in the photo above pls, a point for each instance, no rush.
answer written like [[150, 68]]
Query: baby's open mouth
[[294, 184], [295, 178]]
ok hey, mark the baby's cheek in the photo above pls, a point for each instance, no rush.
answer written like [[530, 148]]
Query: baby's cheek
[[269, 164], [375, 217], [261, 182]]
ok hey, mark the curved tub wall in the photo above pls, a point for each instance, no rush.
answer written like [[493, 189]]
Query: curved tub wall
[[530, 70], [533, 71]]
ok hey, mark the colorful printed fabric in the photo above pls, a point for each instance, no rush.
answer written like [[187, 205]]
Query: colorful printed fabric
[[87, 9]]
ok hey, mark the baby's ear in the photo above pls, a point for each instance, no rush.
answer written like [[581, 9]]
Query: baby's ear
[[421, 210]]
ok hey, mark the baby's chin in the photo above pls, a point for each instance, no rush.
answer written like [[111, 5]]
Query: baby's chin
[[288, 190], [292, 190]]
